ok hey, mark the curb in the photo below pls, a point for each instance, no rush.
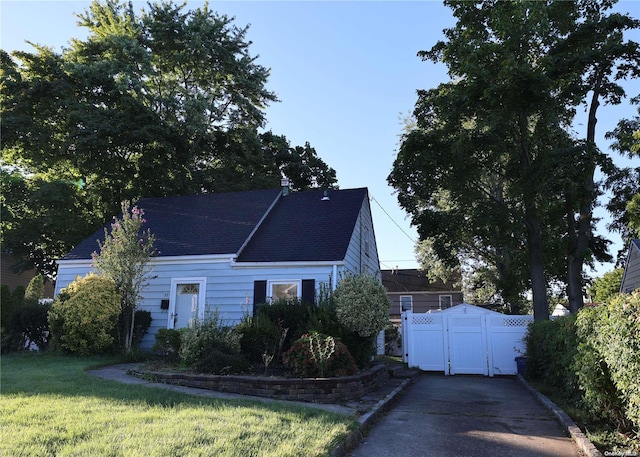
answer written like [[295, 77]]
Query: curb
[[567, 423], [366, 421]]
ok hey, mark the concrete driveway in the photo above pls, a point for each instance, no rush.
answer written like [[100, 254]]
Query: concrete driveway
[[461, 416]]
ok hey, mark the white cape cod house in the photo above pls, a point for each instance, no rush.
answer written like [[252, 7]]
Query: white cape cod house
[[233, 251]]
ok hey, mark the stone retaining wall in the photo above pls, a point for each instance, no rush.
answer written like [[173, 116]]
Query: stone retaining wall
[[316, 390]]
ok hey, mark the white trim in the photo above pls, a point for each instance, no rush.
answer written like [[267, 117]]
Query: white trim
[[410, 297], [272, 282], [440, 302], [426, 292], [327, 263], [202, 292]]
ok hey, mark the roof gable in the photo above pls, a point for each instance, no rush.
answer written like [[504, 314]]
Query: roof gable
[[217, 223], [305, 227]]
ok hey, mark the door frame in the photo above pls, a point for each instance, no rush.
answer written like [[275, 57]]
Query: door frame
[[175, 282]]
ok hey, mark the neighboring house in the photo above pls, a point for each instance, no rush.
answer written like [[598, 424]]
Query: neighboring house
[[13, 280], [233, 251], [410, 290], [631, 277]]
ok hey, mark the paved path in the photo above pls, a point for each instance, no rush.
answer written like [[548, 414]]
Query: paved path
[[458, 416]]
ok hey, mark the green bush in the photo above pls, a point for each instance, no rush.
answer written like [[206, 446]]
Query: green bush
[[620, 346], [291, 314], [83, 316], [27, 325], [551, 347], [301, 360], [362, 305], [258, 335], [599, 394], [142, 322], [167, 344], [210, 347]]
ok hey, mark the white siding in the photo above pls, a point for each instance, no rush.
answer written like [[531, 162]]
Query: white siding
[[357, 260], [631, 279]]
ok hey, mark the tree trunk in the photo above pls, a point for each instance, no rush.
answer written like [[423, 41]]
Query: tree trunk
[[580, 233], [536, 264], [534, 233]]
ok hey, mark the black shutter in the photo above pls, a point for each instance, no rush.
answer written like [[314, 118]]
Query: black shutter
[[309, 291], [259, 295]]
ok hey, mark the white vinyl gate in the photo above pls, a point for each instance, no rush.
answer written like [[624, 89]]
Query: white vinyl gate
[[464, 339]]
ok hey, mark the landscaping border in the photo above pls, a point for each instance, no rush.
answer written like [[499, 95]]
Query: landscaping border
[[578, 436], [314, 390]]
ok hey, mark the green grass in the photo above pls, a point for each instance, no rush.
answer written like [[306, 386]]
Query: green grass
[[49, 406]]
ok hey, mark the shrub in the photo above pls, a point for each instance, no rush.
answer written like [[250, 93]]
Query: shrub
[[210, 347], [362, 305], [303, 360], [83, 316], [29, 325], [551, 347], [167, 344], [35, 289], [620, 346], [258, 335], [599, 394], [291, 314]]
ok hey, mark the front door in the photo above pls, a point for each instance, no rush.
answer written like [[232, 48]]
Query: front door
[[186, 305]]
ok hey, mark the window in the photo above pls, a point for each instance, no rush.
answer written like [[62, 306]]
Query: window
[[445, 301], [406, 303], [284, 290]]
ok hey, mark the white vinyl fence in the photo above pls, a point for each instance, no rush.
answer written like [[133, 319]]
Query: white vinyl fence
[[464, 339]]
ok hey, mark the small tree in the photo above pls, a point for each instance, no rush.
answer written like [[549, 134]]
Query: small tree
[[362, 305], [124, 258]]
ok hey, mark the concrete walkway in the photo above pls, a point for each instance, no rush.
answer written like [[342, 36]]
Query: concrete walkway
[[461, 416]]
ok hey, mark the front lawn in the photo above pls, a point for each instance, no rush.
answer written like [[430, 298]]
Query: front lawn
[[50, 406]]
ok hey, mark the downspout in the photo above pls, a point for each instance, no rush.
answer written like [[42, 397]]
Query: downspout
[[334, 280]]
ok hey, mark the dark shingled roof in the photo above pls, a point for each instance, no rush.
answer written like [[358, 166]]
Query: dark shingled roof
[[300, 227], [216, 223], [412, 280], [303, 227]]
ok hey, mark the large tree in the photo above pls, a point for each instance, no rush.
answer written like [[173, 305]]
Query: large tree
[[162, 102], [491, 168]]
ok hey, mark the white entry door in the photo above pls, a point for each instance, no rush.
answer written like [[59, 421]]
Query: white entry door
[[187, 302]]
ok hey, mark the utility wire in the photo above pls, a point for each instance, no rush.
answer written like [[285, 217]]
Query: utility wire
[[392, 220]]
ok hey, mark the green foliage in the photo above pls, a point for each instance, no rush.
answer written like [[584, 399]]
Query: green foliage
[[362, 305], [5, 304], [292, 314], [489, 168], [605, 287], [593, 360], [167, 101], [27, 325], [124, 257], [167, 344], [620, 348], [35, 289], [259, 335], [599, 394], [84, 315], [210, 347], [551, 347], [303, 358]]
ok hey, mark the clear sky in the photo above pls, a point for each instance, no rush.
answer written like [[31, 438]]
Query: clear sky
[[345, 74]]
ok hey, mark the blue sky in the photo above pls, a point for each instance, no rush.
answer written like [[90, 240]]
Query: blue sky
[[345, 72]]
